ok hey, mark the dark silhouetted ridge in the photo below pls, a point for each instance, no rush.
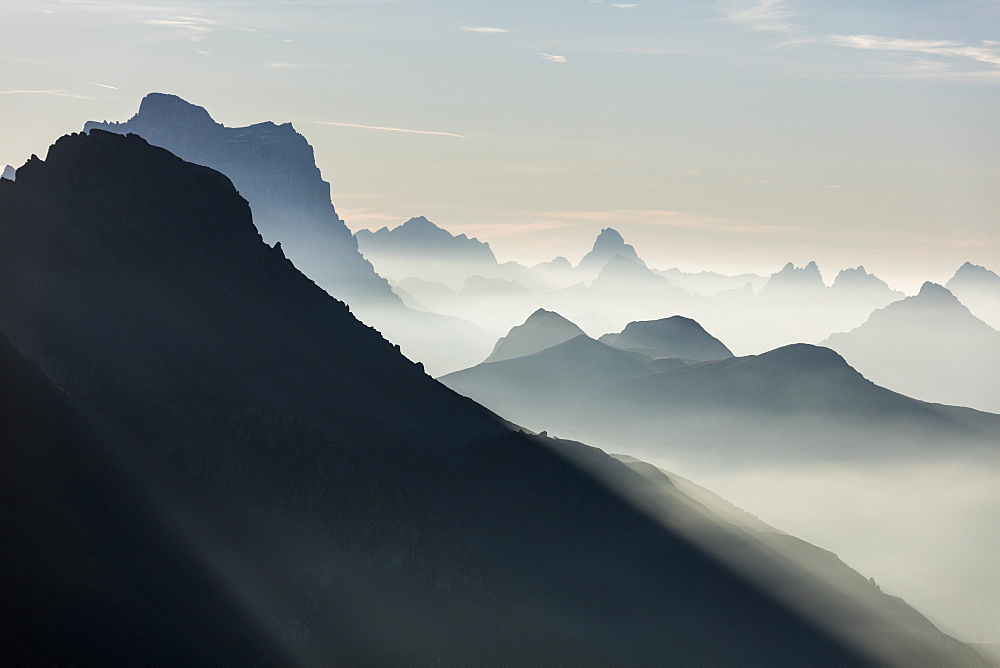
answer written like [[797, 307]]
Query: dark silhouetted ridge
[[140, 285], [274, 168]]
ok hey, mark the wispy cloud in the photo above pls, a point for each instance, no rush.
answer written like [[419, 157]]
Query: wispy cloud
[[54, 93], [933, 47], [482, 29], [193, 28], [388, 129], [769, 15], [94, 83], [551, 57], [624, 5]]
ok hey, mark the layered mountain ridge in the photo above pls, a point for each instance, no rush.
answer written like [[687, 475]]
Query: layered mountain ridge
[[140, 285]]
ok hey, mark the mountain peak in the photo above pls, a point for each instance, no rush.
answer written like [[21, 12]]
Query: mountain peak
[[974, 272], [542, 330], [675, 336], [608, 244], [804, 357], [609, 236], [935, 291], [164, 107], [420, 222]]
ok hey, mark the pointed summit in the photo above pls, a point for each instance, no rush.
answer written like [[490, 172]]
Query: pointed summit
[[9, 173], [978, 288], [543, 329], [791, 280], [608, 244], [929, 346]]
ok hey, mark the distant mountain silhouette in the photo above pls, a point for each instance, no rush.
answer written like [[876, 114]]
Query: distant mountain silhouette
[[675, 336], [929, 346], [273, 167], [533, 387], [608, 244], [793, 280], [628, 274], [543, 329], [978, 288], [420, 240], [140, 285], [9, 173], [798, 403], [708, 283]]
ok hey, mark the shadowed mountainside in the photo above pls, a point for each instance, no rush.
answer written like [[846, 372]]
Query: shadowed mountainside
[[140, 285], [108, 557], [274, 168]]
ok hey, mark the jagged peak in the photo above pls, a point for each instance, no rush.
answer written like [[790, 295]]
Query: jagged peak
[[930, 290], [609, 236], [974, 271]]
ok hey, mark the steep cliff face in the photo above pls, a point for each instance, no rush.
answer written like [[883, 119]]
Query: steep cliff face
[[274, 168]]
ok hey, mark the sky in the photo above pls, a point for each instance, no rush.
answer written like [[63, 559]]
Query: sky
[[731, 135]]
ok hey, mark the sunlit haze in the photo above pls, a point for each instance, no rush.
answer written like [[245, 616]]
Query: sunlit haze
[[726, 135]]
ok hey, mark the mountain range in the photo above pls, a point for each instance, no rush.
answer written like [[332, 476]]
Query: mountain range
[[214, 455], [795, 403], [274, 169]]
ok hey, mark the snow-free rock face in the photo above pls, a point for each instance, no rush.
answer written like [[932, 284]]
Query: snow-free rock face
[[9, 173], [675, 336], [608, 244], [274, 168], [543, 329]]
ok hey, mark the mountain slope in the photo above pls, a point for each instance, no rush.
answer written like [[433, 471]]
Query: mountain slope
[[139, 283], [978, 288], [543, 329], [273, 168], [929, 346], [675, 336], [108, 558]]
